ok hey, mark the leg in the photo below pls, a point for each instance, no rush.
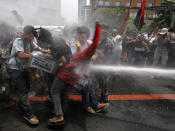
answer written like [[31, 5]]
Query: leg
[[56, 92], [92, 94], [164, 58], [104, 87], [19, 83], [156, 57]]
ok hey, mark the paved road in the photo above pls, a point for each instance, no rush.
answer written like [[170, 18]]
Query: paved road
[[122, 115]]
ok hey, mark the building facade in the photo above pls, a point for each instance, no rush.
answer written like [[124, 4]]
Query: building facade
[[101, 4], [36, 12], [81, 10]]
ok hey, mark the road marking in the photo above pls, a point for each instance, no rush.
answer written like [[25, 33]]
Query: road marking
[[113, 97]]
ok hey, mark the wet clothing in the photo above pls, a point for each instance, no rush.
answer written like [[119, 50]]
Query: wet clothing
[[88, 95], [20, 78], [58, 91], [161, 52], [67, 75], [117, 51], [106, 46], [21, 84], [129, 48], [15, 62]]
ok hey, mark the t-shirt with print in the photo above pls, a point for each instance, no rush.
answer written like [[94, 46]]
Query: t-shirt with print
[[18, 46]]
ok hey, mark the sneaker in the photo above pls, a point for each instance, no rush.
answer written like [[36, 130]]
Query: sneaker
[[90, 110], [101, 107], [33, 120]]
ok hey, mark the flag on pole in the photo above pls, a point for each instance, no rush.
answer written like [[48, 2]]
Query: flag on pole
[[67, 73], [139, 20]]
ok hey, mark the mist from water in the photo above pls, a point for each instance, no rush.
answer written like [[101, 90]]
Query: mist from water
[[133, 70], [33, 12]]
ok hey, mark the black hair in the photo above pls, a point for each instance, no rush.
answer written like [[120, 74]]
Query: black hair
[[60, 48], [28, 29], [83, 30], [172, 29], [45, 36]]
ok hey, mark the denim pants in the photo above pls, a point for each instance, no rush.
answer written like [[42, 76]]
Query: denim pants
[[88, 95], [58, 92], [21, 85]]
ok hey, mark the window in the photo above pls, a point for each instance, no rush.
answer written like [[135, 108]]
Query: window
[[100, 3], [133, 14], [150, 4], [107, 3], [139, 4], [127, 4], [117, 3], [150, 16]]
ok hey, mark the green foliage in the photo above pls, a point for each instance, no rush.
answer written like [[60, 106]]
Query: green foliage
[[111, 16], [131, 27], [164, 16]]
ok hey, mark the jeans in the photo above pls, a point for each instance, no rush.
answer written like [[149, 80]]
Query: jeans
[[160, 53], [88, 95], [21, 84], [58, 92]]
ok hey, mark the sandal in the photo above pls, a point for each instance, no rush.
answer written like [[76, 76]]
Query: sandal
[[55, 121]]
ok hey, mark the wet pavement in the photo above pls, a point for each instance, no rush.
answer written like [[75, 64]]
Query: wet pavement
[[122, 115]]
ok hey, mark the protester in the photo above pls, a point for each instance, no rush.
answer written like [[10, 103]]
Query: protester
[[22, 47], [68, 76], [117, 51], [88, 93], [152, 47], [105, 48], [58, 87], [171, 48], [161, 51], [140, 50], [128, 46]]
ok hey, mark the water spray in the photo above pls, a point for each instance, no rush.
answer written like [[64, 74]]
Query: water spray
[[129, 69]]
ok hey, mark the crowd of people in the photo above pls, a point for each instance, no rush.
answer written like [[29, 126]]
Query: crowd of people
[[156, 49]]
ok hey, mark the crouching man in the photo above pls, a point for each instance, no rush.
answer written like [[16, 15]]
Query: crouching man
[[71, 75]]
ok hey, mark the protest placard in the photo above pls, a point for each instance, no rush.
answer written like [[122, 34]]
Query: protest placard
[[37, 60]]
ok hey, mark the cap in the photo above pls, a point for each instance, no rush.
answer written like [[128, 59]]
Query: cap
[[163, 31]]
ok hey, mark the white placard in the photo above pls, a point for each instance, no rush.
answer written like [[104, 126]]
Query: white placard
[[40, 62]]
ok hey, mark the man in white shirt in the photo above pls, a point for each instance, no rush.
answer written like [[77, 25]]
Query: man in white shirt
[[88, 93]]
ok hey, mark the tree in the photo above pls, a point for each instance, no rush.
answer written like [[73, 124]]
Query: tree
[[111, 16], [164, 16]]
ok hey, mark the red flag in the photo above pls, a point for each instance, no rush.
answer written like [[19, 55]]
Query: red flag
[[67, 73], [139, 20]]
